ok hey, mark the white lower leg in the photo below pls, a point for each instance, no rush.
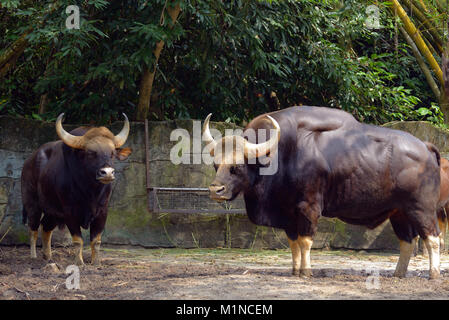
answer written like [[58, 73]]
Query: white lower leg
[[95, 248], [406, 250], [296, 255], [442, 225], [433, 246], [33, 240], [305, 244], [46, 244], [78, 245]]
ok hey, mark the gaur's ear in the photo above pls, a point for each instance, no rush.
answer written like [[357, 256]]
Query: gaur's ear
[[123, 154]]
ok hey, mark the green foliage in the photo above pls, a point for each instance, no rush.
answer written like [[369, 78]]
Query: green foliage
[[225, 57], [92, 73]]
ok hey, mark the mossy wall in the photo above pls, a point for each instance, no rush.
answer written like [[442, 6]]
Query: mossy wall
[[129, 221]]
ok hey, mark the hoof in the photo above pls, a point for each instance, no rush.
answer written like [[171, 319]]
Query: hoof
[[434, 274], [51, 268], [96, 262], [79, 262], [295, 272], [46, 257], [399, 274], [305, 273]]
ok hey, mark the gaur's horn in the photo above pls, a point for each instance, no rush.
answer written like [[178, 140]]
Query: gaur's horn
[[253, 150], [120, 139], [207, 136], [76, 142]]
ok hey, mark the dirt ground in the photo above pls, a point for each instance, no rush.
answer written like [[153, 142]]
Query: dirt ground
[[138, 273]]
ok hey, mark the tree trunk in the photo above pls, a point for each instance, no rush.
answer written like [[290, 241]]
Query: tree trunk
[[146, 83], [43, 103], [9, 58]]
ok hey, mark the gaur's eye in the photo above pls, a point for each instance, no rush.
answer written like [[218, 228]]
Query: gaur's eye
[[233, 170]]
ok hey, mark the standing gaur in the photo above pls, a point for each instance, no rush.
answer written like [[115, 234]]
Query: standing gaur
[[331, 165], [443, 201], [69, 182]]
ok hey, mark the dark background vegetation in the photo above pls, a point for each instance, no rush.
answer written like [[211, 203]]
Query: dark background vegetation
[[236, 58]]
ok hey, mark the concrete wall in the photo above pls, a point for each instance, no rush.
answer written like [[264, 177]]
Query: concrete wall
[[129, 221]]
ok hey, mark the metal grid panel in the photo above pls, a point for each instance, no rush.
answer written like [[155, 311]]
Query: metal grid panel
[[190, 200], [184, 200]]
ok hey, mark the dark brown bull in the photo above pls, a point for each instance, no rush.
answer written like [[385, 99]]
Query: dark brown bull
[[329, 164], [68, 181]]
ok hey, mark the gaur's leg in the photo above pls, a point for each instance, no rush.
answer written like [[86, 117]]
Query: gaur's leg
[[77, 241], [424, 249], [407, 235], [305, 244], [296, 255], [442, 223], [34, 220], [96, 228], [46, 244], [426, 224], [33, 239], [48, 224], [95, 243], [307, 222], [432, 244]]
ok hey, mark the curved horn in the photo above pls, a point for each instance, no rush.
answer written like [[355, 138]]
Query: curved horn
[[253, 150], [120, 139], [207, 136], [76, 142]]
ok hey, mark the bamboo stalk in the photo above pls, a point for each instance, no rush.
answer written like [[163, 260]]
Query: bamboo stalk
[[427, 39], [430, 80], [418, 40], [428, 24]]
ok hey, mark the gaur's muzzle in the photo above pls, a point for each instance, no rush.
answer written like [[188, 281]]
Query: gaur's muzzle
[[218, 192], [106, 175]]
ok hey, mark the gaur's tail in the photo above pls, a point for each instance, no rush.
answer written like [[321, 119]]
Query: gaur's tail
[[432, 148], [24, 216]]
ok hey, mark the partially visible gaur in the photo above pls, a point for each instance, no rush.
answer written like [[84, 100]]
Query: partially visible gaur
[[331, 165], [69, 182], [443, 202]]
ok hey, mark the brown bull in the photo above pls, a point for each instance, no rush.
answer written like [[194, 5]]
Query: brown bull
[[68, 183], [329, 164]]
